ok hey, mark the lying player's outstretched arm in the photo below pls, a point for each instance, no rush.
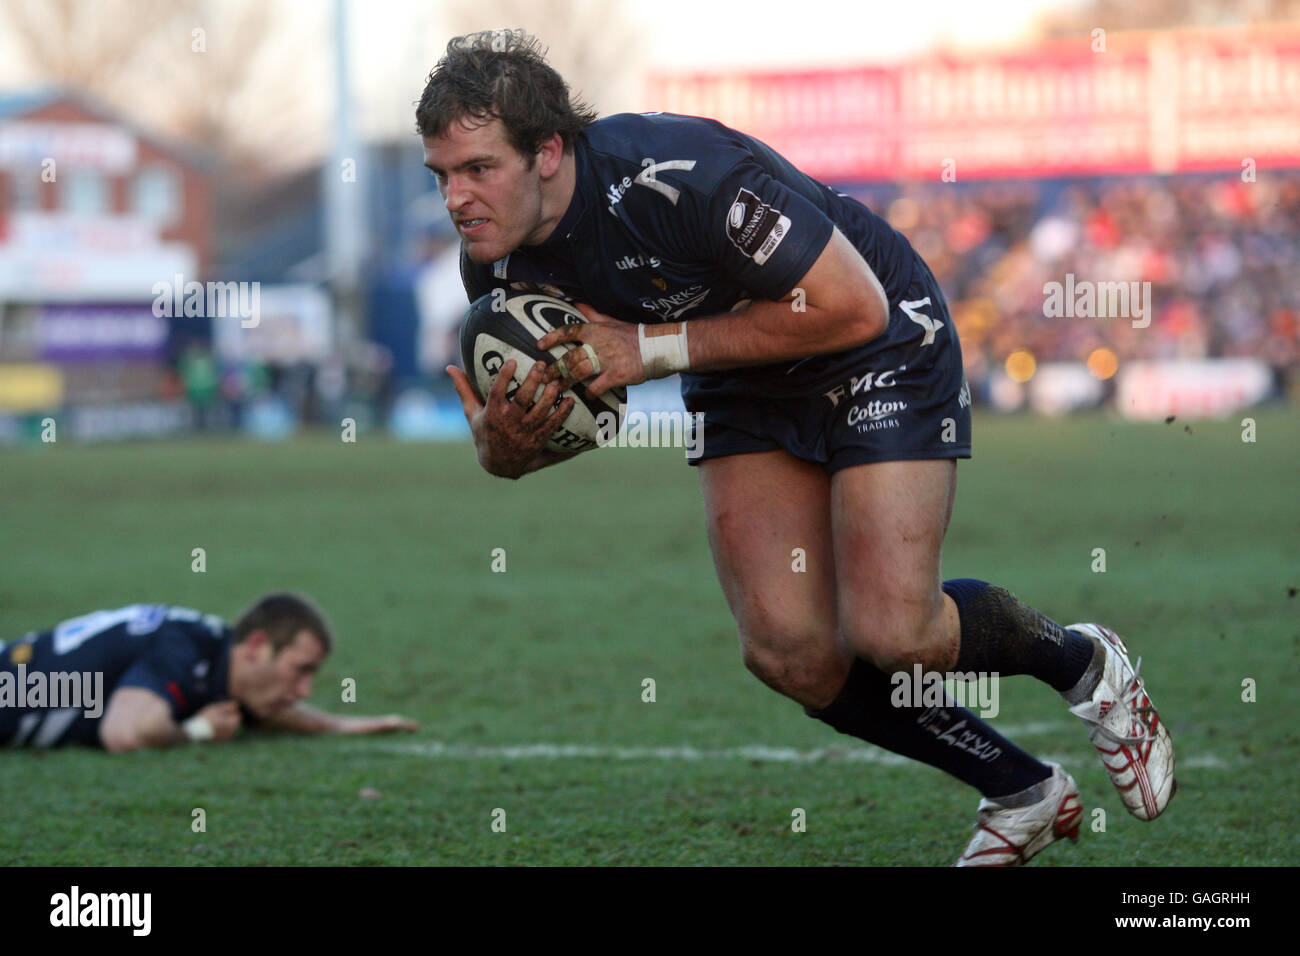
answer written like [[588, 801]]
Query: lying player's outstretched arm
[[137, 718], [842, 306], [302, 719]]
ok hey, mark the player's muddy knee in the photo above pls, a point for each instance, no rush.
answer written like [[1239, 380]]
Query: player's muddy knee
[[812, 679], [898, 646]]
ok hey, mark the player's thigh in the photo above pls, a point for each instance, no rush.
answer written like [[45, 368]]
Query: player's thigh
[[768, 517], [888, 523]]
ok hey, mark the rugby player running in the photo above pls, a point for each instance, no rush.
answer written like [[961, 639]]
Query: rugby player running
[[819, 349]]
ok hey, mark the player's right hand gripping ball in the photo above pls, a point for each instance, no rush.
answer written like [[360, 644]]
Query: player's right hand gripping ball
[[506, 324]]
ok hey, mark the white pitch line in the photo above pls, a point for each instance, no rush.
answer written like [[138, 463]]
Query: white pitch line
[[1032, 729], [688, 754], [759, 752], [1205, 762]]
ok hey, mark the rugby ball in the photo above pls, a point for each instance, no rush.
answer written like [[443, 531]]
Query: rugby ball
[[506, 324]]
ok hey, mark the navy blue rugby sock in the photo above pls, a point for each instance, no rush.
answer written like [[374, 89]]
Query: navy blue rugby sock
[[1001, 635], [948, 737]]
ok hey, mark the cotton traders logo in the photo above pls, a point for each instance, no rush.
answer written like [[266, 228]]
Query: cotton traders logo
[[754, 227], [677, 303], [876, 411]]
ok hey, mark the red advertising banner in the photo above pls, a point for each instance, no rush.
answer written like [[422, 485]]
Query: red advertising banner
[[1148, 102]]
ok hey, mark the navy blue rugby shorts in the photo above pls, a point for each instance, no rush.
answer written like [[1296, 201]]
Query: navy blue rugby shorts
[[901, 397]]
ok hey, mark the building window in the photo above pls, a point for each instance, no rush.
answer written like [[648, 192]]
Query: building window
[[156, 195], [85, 192]]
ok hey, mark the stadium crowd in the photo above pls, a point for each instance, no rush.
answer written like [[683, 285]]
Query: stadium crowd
[[1222, 256]]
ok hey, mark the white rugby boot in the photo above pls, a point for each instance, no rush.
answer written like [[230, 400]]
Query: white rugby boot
[[1011, 835], [1133, 742]]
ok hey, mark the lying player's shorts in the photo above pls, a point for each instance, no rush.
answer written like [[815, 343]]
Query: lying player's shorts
[[8, 715], [901, 397]]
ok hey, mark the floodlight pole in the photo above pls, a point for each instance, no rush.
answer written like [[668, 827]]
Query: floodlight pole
[[344, 197]]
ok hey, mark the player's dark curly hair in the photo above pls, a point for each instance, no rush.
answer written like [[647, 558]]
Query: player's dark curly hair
[[282, 616], [501, 73]]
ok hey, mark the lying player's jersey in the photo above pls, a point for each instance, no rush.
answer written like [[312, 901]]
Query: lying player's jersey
[[676, 217], [55, 685]]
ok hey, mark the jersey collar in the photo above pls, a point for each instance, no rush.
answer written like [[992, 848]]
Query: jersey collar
[[568, 224]]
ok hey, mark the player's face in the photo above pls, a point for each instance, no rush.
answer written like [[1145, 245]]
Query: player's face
[[276, 681], [493, 194]]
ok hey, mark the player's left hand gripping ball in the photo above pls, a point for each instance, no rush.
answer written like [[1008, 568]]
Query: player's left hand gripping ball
[[608, 355]]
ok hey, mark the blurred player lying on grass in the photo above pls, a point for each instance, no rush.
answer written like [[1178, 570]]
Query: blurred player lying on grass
[[150, 675]]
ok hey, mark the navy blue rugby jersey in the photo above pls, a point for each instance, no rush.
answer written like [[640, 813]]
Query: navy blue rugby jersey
[[181, 655], [677, 217]]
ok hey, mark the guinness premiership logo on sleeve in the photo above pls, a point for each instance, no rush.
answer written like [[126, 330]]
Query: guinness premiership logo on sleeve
[[754, 227]]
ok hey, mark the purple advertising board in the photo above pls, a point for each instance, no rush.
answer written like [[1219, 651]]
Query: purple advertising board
[[97, 333]]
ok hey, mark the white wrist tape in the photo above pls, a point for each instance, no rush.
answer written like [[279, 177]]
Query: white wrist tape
[[663, 351], [198, 729]]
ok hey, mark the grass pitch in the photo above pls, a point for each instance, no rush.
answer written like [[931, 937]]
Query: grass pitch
[[608, 581]]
